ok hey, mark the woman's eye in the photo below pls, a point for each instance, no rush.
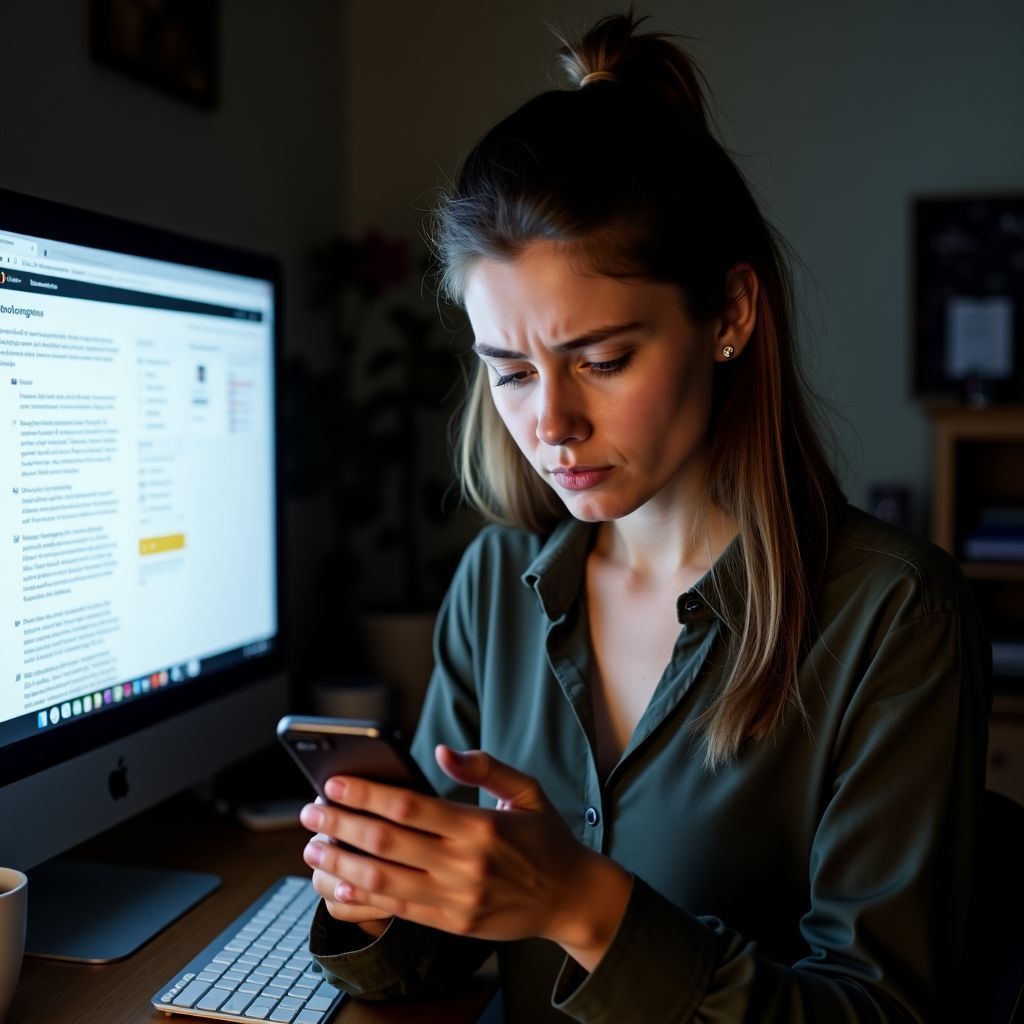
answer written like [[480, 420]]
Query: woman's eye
[[511, 380], [608, 367]]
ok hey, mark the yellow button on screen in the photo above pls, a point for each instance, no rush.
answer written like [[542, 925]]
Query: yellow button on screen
[[154, 545]]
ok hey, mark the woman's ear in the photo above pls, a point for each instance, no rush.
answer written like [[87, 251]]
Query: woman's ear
[[740, 315]]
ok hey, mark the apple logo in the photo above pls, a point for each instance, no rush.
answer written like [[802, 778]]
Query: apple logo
[[118, 780]]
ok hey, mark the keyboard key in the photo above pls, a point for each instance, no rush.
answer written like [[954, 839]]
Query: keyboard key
[[237, 1003], [282, 1014], [274, 991], [260, 1009], [320, 1002], [212, 1000], [308, 1016], [250, 986], [190, 994]]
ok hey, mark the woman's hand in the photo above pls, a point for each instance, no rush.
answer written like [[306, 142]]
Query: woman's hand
[[510, 873], [371, 920]]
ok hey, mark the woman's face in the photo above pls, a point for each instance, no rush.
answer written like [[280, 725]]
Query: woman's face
[[604, 384]]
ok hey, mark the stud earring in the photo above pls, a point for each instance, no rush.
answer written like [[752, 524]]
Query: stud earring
[[727, 352]]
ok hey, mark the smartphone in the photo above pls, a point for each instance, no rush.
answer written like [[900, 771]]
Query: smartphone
[[323, 747]]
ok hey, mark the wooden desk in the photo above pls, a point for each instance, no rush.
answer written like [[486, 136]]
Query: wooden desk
[[185, 834]]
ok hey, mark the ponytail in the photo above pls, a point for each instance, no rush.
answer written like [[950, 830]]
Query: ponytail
[[650, 62]]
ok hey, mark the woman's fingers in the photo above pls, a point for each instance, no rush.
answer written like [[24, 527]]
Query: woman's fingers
[[402, 806], [511, 787], [349, 910], [388, 885], [384, 839], [346, 902]]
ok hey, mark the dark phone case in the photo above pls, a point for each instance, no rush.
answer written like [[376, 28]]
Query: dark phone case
[[323, 747]]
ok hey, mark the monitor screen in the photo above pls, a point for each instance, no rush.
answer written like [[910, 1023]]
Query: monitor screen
[[140, 634]]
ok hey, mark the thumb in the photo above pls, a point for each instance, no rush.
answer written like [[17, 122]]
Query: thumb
[[513, 789]]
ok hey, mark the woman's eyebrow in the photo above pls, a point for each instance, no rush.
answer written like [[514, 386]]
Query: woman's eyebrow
[[590, 338]]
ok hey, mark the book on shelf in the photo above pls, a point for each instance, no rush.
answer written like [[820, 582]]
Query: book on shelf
[[1007, 658], [994, 549], [998, 535]]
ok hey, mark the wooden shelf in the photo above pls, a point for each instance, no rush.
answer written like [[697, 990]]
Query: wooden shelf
[[979, 464], [1008, 704]]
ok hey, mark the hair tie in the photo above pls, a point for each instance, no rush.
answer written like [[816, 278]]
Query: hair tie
[[596, 76]]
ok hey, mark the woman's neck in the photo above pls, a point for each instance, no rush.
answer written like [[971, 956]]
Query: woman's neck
[[661, 541]]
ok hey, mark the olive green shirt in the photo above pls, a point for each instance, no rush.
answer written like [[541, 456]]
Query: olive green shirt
[[823, 875]]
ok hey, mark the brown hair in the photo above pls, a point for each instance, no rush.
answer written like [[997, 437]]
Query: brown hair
[[625, 171]]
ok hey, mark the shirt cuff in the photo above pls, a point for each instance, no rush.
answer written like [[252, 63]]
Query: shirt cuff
[[657, 967], [359, 964]]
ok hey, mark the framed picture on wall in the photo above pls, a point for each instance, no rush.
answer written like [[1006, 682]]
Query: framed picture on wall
[[968, 298], [170, 44]]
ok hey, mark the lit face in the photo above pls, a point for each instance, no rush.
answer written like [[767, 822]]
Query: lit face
[[604, 384]]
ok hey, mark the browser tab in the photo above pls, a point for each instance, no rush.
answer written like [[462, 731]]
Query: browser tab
[[12, 247]]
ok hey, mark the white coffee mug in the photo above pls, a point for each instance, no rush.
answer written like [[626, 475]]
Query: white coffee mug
[[13, 917]]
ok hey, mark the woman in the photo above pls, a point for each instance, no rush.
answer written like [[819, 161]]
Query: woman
[[725, 734]]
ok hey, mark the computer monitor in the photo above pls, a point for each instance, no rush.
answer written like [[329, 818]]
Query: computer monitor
[[141, 644]]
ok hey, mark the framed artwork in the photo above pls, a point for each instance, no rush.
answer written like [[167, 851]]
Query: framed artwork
[[170, 44], [968, 298]]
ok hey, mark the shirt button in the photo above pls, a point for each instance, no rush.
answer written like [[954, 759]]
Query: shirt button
[[591, 817]]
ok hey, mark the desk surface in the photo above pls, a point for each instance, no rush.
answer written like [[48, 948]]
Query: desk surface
[[185, 834]]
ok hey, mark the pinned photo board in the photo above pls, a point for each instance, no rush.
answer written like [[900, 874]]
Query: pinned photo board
[[968, 297]]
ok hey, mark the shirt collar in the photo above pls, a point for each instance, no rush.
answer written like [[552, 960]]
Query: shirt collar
[[723, 588], [556, 576]]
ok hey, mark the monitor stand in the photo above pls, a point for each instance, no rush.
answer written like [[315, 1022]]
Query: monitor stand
[[96, 913]]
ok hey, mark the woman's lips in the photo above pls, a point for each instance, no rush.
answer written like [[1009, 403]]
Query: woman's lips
[[581, 478]]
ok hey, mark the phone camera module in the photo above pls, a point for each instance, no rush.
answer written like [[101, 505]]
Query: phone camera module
[[311, 744]]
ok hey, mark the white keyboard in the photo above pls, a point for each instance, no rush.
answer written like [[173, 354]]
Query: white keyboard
[[259, 968]]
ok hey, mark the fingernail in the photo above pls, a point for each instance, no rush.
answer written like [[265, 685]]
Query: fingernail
[[457, 756], [335, 789], [343, 892], [313, 855], [312, 816]]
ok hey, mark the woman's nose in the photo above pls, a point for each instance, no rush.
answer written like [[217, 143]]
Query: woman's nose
[[561, 417]]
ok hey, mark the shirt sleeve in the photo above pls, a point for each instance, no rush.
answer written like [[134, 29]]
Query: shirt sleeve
[[890, 867], [409, 959], [406, 960]]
